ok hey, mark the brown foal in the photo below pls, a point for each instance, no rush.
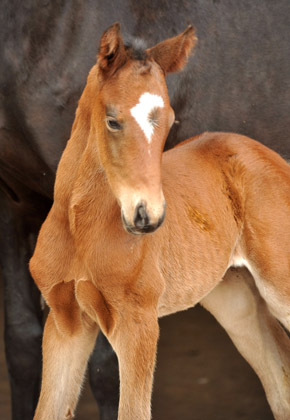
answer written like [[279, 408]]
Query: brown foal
[[98, 263]]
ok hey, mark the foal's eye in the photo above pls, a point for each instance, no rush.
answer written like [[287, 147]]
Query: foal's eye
[[113, 125]]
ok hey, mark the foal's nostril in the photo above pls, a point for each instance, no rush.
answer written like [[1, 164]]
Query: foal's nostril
[[141, 218]]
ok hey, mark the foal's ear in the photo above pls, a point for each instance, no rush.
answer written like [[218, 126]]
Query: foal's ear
[[111, 54], [172, 54]]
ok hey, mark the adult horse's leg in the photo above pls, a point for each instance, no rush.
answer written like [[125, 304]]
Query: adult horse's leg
[[239, 308], [104, 378], [23, 315]]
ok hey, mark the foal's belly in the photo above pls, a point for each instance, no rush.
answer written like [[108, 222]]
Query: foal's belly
[[187, 288]]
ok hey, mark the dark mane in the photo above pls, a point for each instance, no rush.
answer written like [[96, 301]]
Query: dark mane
[[136, 48]]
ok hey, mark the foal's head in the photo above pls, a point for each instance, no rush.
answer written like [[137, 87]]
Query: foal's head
[[132, 117]]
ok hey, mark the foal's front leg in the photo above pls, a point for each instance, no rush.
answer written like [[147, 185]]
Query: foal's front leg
[[65, 356], [134, 341]]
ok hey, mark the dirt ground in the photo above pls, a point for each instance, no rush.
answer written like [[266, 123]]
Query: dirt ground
[[199, 375]]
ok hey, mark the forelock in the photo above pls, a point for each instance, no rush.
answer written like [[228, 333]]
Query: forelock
[[136, 48]]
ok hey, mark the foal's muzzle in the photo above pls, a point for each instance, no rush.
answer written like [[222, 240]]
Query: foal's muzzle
[[142, 222]]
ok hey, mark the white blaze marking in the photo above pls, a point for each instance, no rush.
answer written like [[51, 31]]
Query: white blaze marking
[[141, 112]]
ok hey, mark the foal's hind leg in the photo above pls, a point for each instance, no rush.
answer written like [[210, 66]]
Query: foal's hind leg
[[277, 296], [239, 308]]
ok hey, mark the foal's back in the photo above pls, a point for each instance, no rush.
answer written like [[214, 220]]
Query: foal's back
[[254, 176], [228, 197]]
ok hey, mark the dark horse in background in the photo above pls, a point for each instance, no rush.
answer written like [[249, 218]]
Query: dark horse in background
[[238, 80]]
